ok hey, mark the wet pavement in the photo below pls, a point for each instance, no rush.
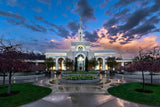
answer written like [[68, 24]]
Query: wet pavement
[[80, 95], [82, 100]]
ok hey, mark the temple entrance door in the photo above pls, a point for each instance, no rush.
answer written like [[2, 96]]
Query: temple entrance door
[[99, 67], [60, 64], [80, 63]]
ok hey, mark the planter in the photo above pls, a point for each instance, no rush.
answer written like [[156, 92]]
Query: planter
[[80, 81], [63, 73]]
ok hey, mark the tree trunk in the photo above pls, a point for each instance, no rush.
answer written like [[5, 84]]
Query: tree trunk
[[143, 80], [4, 79], [9, 84], [151, 73]]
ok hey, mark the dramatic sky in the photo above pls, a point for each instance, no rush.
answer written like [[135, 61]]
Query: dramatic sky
[[122, 25]]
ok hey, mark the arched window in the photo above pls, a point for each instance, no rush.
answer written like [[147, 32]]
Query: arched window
[[80, 48]]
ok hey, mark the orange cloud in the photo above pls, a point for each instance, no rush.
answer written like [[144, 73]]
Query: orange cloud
[[52, 40], [65, 43], [128, 50]]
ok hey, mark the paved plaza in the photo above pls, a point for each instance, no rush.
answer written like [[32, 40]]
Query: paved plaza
[[79, 95]]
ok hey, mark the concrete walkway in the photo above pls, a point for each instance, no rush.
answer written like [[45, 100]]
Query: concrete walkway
[[23, 77], [63, 95], [69, 98], [82, 100]]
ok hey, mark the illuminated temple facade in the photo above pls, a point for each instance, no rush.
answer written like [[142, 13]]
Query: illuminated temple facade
[[80, 49]]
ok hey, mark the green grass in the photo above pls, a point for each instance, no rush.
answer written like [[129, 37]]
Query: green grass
[[28, 93], [127, 92]]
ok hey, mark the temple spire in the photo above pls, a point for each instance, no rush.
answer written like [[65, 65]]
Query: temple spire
[[80, 22], [80, 33]]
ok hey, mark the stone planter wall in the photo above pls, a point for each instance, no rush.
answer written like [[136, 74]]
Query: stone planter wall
[[62, 73]]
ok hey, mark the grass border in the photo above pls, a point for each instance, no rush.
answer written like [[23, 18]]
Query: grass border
[[28, 93], [127, 92]]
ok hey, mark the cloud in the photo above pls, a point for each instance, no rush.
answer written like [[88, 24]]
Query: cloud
[[68, 7], [65, 15], [91, 36], [103, 41], [20, 20], [110, 22], [73, 26], [52, 30], [38, 28], [63, 44], [39, 18], [37, 9], [58, 29], [50, 24], [11, 21], [62, 31], [45, 1], [130, 48], [32, 26], [135, 19], [124, 2], [84, 10], [140, 22], [121, 15], [155, 7], [154, 20], [12, 15], [141, 30], [12, 2], [102, 5]]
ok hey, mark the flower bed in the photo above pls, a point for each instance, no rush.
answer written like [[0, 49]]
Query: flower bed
[[70, 73], [81, 72], [80, 77]]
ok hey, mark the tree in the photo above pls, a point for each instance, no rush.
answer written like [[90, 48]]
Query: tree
[[93, 62], [14, 63], [119, 58], [75, 65], [140, 63], [151, 59], [152, 56], [86, 64], [49, 63], [68, 63], [10, 53], [3, 69], [111, 62]]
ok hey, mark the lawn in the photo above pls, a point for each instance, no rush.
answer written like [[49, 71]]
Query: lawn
[[127, 92], [27, 93]]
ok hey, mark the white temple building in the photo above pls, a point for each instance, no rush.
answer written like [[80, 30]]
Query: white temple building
[[80, 49]]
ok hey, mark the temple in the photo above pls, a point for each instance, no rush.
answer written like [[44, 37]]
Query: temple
[[80, 49]]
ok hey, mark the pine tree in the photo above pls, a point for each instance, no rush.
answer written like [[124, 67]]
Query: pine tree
[[75, 66], [86, 64]]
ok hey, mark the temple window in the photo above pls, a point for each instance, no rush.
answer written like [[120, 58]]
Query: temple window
[[80, 48]]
